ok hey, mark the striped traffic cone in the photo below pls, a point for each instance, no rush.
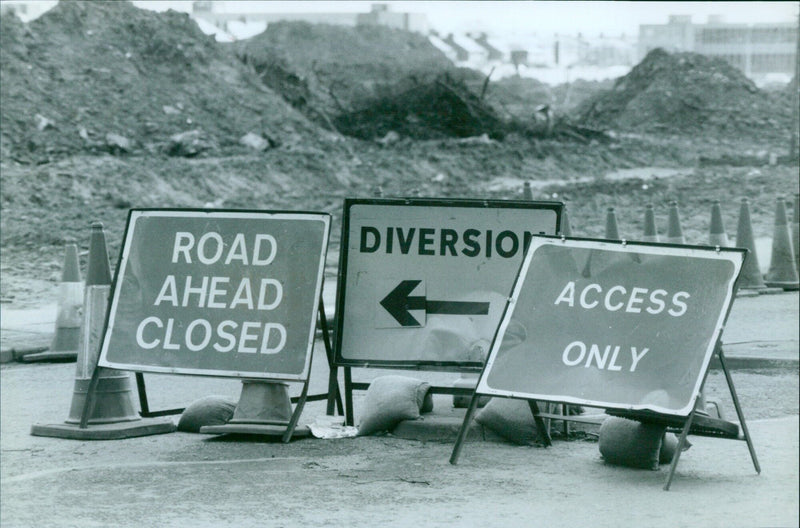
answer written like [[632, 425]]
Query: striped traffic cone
[[112, 416], [565, 229], [782, 271], [527, 192], [66, 340], [612, 231], [674, 231], [717, 235], [650, 232], [750, 276]]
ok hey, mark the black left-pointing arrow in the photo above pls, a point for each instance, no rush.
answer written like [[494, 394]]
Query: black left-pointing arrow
[[399, 303]]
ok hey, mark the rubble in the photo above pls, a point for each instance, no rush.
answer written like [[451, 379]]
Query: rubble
[[112, 68], [686, 93]]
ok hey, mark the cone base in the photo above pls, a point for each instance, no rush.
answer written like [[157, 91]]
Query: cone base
[[255, 429], [117, 431], [50, 355], [791, 286]]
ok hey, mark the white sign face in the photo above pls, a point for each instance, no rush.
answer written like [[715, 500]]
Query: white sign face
[[423, 283], [218, 293], [606, 325]]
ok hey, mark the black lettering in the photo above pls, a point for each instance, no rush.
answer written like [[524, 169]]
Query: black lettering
[[365, 246], [514, 244], [448, 240], [471, 243], [426, 239], [488, 243], [405, 243], [526, 243], [389, 239]]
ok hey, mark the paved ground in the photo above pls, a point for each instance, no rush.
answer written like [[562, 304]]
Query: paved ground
[[183, 479]]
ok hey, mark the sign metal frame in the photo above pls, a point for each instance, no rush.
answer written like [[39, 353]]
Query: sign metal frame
[[316, 316], [680, 420], [341, 296]]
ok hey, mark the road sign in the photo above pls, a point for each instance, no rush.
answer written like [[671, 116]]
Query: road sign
[[218, 293], [627, 326], [423, 282]]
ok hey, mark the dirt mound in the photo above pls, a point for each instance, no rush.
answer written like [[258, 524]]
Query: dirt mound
[[326, 70], [686, 93], [437, 108], [107, 76]]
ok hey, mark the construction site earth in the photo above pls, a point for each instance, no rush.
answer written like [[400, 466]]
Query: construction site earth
[[106, 107]]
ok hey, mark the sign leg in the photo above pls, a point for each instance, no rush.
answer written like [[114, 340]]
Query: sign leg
[[462, 434], [541, 427], [334, 394], [739, 412], [140, 388], [298, 410], [679, 449], [348, 395], [88, 405]]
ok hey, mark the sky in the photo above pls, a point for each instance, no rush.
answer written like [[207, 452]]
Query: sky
[[530, 16]]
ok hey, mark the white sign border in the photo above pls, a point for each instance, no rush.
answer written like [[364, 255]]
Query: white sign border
[[135, 214], [537, 242]]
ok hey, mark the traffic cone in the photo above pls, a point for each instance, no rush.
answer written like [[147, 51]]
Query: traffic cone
[[527, 193], [750, 276], [612, 232], [796, 231], [650, 232], [674, 232], [66, 341], [112, 416], [782, 270], [264, 408], [565, 229], [717, 235]]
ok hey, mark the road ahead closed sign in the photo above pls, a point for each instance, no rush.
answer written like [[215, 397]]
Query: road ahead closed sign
[[222, 293], [423, 282], [607, 325]]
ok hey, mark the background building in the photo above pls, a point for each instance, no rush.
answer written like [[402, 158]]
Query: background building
[[762, 51]]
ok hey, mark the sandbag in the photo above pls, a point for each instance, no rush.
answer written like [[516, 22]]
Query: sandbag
[[629, 443], [510, 418], [390, 400], [210, 410], [669, 445]]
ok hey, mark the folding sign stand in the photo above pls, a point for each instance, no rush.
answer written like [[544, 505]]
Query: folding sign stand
[[333, 395], [694, 424], [417, 275], [698, 424], [577, 331], [222, 293]]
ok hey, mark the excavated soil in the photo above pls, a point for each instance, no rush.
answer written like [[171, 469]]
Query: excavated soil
[[107, 107]]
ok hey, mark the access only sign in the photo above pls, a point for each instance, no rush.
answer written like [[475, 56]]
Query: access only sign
[[610, 325], [220, 293]]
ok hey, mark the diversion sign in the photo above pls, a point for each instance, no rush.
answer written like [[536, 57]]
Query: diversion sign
[[423, 282], [219, 293], [612, 325]]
